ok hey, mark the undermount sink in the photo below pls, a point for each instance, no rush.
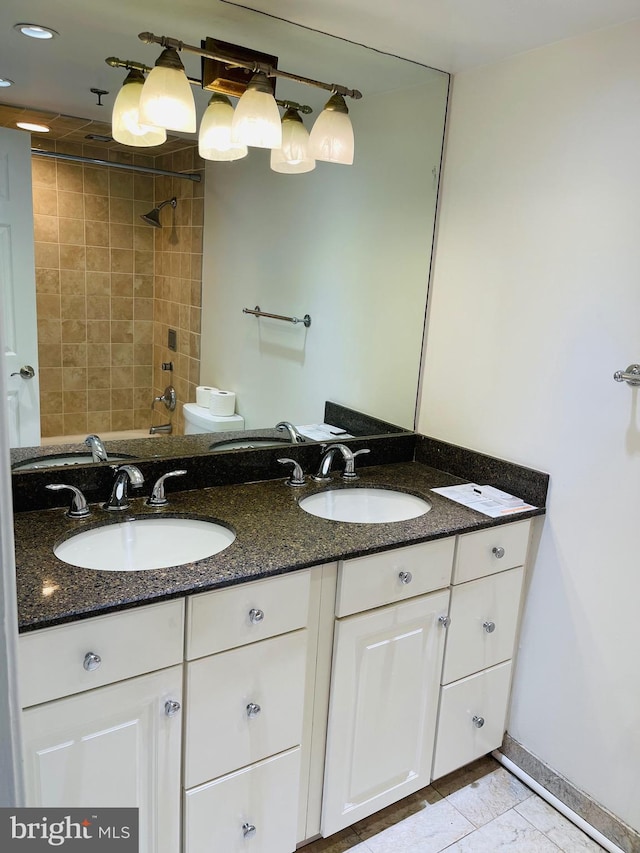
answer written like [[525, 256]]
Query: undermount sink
[[55, 459], [365, 505], [247, 443], [138, 544]]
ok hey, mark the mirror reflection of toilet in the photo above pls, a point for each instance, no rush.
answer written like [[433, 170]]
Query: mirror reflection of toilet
[[197, 419]]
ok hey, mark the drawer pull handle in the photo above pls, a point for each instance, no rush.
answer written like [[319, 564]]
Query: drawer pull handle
[[248, 830], [91, 661], [445, 621], [256, 616], [498, 552], [253, 709], [171, 707], [489, 627], [405, 577], [478, 722]]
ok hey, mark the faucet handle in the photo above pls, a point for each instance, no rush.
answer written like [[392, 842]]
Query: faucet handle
[[349, 472], [158, 497], [78, 508], [297, 474]]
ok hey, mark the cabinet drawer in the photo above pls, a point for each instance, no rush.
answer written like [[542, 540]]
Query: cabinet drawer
[[484, 619], [253, 809], [378, 579], [471, 719], [488, 551], [257, 713], [223, 619], [54, 661]]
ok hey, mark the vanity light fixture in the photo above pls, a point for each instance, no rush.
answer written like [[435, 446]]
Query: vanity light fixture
[[166, 101], [125, 120], [34, 128], [36, 31], [293, 157]]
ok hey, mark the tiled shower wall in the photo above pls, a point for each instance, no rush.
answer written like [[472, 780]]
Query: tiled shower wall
[[100, 307]]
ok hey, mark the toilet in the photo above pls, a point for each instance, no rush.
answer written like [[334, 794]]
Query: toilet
[[197, 419]]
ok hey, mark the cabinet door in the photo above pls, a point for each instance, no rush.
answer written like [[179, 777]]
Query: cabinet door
[[114, 746], [382, 712]]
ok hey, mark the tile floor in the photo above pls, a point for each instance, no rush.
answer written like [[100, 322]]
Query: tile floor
[[481, 808]]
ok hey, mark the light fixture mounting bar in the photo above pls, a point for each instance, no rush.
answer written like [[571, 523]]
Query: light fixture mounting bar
[[270, 71], [132, 65]]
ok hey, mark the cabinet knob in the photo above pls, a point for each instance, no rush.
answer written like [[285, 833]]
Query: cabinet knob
[[445, 621], [405, 577], [256, 616], [91, 661], [253, 709], [171, 707], [477, 721], [498, 552], [489, 627], [248, 830]]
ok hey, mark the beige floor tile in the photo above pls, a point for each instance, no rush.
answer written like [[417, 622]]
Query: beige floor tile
[[508, 833], [429, 831], [490, 796], [411, 805], [555, 826]]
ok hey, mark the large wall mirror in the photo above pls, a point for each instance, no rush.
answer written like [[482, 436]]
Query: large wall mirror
[[348, 245]]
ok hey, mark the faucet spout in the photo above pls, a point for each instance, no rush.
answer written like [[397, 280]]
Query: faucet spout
[[125, 475], [294, 435], [324, 469], [98, 450]]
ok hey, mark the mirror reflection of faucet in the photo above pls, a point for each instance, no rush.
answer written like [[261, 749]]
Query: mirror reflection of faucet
[[170, 399]]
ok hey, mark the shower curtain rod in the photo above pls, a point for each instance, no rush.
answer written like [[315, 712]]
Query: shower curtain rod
[[189, 176]]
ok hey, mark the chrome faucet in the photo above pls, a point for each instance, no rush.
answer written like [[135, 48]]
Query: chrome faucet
[[98, 450], [294, 435], [125, 475], [324, 469], [158, 496]]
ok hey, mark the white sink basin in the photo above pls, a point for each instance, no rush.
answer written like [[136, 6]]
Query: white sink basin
[[144, 543], [365, 505]]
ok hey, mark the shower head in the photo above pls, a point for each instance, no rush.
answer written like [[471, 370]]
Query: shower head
[[153, 217]]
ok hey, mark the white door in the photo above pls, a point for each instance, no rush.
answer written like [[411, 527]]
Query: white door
[[18, 288], [382, 711], [109, 747]]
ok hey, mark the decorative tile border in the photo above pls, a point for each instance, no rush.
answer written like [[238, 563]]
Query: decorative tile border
[[600, 818]]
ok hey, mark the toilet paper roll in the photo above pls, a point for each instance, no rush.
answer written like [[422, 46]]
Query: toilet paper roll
[[222, 403], [203, 392]]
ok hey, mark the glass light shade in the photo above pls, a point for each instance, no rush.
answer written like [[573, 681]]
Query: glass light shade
[[331, 137], [256, 120], [125, 125], [166, 99], [214, 139], [293, 157]]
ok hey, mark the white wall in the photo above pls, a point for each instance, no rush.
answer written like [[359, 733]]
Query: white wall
[[535, 303], [349, 245]]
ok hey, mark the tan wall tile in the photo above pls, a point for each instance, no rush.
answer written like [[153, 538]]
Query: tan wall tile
[[72, 257], [99, 379], [74, 331], [69, 176], [99, 422], [122, 260], [143, 238], [51, 425], [45, 228], [99, 308], [43, 172], [120, 184], [98, 331], [48, 306], [121, 210], [122, 354], [98, 258], [49, 331], [98, 283], [143, 263], [143, 331], [74, 355], [73, 307], [47, 256], [47, 281], [99, 357], [143, 187], [121, 308], [97, 207], [99, 401], [121, 420], [71, 205], [72, 282], [96, 180], [142, 376], [121, 236], [51, 379], [121, 398], [49, 355], [143, 353], [71, 231], [50, 402], [74, 378], [74, 401], [96, 233], [122, 377], [143, 309], [45, 201], [74, 422], [141, 418], [122, 331]]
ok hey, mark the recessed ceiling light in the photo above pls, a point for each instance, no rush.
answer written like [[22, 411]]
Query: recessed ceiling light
[[36, 128], [5, 82], [35, 31]]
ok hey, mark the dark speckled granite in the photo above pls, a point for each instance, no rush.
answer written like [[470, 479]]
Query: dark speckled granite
[[526, 483], [273, 536]]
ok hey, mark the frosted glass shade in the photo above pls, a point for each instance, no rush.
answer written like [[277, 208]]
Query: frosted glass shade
[[214, 139], [167, 100], [125, 124], [293, 157], [256, 121], [331, 137]]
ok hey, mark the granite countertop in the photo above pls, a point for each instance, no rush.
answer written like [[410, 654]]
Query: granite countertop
[[273, 536]]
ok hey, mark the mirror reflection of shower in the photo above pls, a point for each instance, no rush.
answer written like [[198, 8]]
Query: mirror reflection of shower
[[153, 217]]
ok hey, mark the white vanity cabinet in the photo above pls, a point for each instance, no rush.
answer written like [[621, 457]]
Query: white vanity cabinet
[[484, 613], [385, 679], [245, 694], [102, 719]]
